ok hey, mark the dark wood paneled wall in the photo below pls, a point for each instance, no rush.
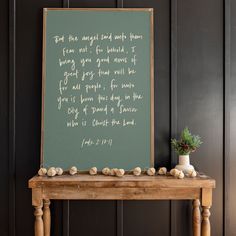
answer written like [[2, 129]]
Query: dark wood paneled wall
[[195, 85]]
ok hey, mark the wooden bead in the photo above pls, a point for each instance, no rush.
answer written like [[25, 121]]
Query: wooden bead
[[42, 171], [191, 173], [59, 171], [151, 171], [113, 171], [73, 170], [137, 171], [106, 171], [162, 171], [93, 171], [51, 172], [180, 175], [174, 172], [120, 172]]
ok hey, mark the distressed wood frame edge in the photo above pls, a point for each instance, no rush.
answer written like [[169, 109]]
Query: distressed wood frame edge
[[99, 9], [43, 85], [151, 10], [152, 86]]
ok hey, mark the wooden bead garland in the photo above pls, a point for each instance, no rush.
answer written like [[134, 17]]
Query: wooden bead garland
[[52, 171]]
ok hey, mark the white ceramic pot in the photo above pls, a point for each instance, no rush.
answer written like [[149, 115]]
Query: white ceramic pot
[[184, 164]]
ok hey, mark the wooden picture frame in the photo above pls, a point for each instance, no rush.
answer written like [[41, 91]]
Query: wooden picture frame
[[150, 10]]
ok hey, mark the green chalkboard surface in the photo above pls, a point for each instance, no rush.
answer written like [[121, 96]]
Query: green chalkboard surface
[[97, 95]]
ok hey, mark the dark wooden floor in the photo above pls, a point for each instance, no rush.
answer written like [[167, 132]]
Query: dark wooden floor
[[195, 85]]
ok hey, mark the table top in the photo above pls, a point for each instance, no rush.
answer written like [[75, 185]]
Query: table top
[[143, 181]]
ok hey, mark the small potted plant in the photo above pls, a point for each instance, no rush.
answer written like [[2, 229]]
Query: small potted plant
[[188, 143]]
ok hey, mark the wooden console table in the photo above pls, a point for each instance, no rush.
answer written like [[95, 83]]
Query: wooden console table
[[84, 186]]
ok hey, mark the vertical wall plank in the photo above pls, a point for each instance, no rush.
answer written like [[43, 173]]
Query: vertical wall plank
[[89, 218], [119, 218], [12, 117], [173, 77], [120, 3], [200, 94], [66, 3], [28, 78], [66, 218], [173, 101], [4, 115], [227, 86], [93, 4], [230, 83]]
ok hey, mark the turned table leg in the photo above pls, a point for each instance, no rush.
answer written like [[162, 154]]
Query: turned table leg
[[46, 217], [37, 202], [38, 224], [196, 218], [206, 204], [206, 226]]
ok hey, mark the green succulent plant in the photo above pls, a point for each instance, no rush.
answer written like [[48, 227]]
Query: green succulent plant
[[188, 143]]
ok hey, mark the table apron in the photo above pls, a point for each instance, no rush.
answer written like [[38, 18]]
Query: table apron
[[76, 192]]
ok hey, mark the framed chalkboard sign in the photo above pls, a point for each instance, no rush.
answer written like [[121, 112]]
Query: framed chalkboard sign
[[97, 92]]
